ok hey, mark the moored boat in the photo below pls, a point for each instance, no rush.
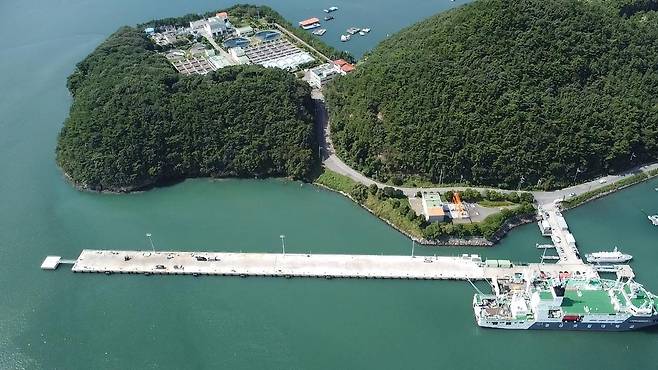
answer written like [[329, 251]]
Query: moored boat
[[608, 257], [345, 38], [320, 32], [570, 304], [653, 219]]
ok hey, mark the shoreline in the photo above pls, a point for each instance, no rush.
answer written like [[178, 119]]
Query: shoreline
[[450, 242]]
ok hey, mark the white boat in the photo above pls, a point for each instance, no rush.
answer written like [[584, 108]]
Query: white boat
[[311, 26], [608, 257], [331, 9], [353, 30], [366, 30], [653, 219], [320, 32], [362, 33], [344, 38]]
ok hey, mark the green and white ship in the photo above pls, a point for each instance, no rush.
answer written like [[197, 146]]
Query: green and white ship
[[571, 303]]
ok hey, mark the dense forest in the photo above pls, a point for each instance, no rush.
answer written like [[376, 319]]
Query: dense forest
[[525, 93], [135, 122]]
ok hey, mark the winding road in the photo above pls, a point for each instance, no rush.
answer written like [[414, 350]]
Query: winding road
[[332, 162]]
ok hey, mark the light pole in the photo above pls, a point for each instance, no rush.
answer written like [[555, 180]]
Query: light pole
[[283, 243], [576, 175], [148, 235]]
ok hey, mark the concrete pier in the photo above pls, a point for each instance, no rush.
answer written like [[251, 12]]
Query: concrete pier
[[564, 241], [306, 265], [288, 265]]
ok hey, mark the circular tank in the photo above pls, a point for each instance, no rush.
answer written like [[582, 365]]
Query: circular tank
[[268, 35], [235, 42]]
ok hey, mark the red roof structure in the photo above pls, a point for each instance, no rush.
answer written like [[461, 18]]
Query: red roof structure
[[344, 65], [347, 68], [309, 22], [222, 15]]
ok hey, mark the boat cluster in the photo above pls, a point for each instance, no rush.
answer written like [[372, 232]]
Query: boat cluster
[[314, 23], [353, 31]]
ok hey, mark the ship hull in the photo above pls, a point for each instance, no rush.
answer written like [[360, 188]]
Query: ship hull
[[632, 323], [628, 325]]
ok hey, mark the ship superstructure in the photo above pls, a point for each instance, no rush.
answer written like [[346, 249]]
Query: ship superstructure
[[567, 303]]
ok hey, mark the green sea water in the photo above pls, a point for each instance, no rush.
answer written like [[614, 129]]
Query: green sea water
[[61, 320]]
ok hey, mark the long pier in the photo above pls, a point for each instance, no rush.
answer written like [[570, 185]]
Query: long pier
[[465, 267]]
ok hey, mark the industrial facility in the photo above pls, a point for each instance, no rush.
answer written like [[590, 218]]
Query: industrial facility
[[436, 210]]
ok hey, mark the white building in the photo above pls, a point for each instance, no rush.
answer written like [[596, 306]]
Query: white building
[[214, 26], [320, 75], [433, 207]]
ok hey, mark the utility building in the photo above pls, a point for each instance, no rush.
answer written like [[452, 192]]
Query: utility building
[[433, 207]]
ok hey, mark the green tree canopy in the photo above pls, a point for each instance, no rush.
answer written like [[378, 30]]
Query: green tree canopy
[[136, 122], [506, 93]]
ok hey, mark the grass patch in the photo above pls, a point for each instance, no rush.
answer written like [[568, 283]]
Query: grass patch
[[336, 181]]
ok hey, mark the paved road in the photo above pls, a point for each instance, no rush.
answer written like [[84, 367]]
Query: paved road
[[333, 162]]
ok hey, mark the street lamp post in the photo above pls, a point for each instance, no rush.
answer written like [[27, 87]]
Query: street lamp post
[[148, 235], [283, 243]]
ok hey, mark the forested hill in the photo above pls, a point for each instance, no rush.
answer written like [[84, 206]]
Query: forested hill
[[531, 92], [136, 122]]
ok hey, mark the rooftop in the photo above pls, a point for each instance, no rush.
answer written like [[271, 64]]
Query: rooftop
[[308, 22], [433, 200]]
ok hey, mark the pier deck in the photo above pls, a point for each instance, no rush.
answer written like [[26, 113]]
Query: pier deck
[[270, 264], [305, 265], [563, 240]]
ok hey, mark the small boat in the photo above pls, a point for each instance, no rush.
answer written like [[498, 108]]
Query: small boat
[[329, 18], [344, 38], [311, 26], [366, 30], [331, 9], [320, 32], [362, 33], [608, 257], [353, 30], [653, 219]]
